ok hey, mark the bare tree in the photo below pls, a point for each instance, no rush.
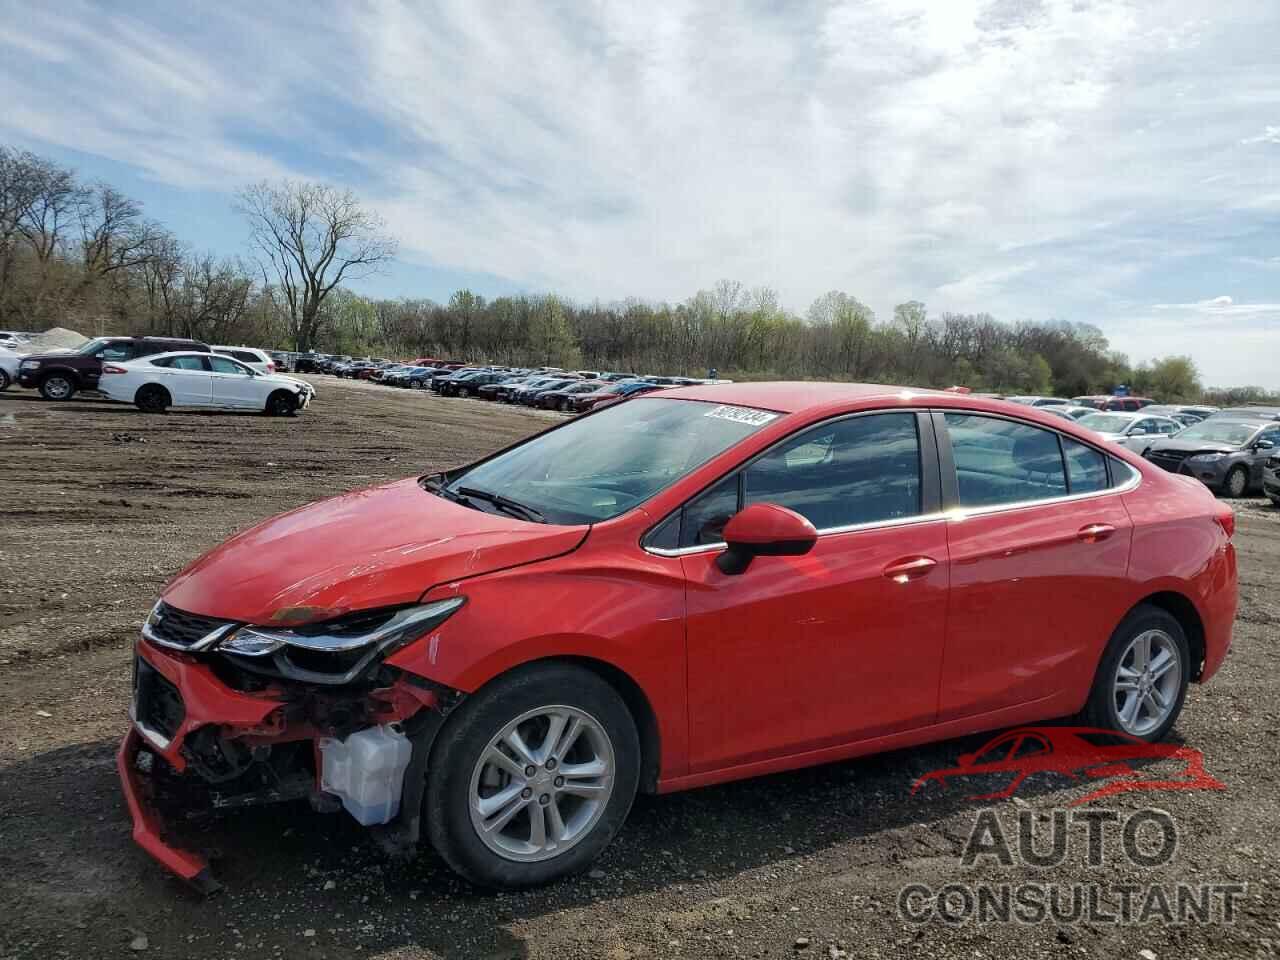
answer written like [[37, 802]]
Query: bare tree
[[314, 237]]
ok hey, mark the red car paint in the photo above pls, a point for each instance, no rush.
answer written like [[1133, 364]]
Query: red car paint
[[875, 639]]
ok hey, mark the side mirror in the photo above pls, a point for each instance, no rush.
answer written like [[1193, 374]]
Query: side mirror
[[1264, 445], [764, 530]]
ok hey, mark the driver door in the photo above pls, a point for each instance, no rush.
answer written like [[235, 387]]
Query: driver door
[[843, 643], [234, 384]]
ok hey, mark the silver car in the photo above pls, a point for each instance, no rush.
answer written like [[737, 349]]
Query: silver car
[[1137, 431], [1225, 453]]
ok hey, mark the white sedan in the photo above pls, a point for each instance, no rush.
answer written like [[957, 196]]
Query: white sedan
[[1137, 431], [202, 380], [8, 367]]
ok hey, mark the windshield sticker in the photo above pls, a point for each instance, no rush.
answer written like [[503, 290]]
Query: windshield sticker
[[753, 418]]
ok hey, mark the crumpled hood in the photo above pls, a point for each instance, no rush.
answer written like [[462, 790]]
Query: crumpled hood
[[368, 548]]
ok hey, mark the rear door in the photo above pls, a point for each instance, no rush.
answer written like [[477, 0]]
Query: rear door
[[1039, 549], [234, 384]]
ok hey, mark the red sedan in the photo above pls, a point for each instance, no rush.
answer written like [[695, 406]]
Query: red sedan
[[707, 584]]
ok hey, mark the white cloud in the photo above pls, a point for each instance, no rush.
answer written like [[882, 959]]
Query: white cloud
[[1050, 158], [1270, 135]]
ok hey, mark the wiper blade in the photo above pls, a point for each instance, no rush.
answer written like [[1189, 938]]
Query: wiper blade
[[435, 484], [514, 507]]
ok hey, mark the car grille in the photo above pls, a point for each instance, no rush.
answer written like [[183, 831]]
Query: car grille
[[157, 704], [1273, 463], [1170, 460], [178, 628]]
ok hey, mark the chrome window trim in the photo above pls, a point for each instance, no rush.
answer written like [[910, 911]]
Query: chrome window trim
[[956, 515]]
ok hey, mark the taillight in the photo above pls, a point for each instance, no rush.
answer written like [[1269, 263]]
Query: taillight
[[112, 368], [1227, 521], [271, 367]]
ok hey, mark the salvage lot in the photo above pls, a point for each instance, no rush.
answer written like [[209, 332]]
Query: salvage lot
[[101, 504]]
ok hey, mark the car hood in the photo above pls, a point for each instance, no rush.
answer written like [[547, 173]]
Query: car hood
[[369, 548], [48, 355], [1186, 446]]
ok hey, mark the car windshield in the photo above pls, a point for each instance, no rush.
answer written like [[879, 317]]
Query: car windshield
[[1105, 422], [601, 466], [91, 346], [1234, 432]]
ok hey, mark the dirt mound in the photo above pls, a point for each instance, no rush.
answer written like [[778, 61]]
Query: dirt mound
[[55, 338]]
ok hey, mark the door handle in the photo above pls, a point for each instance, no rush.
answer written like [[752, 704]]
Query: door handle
[[1095, 532], [912, 568]]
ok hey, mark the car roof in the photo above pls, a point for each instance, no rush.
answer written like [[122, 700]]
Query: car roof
[[794, 396]]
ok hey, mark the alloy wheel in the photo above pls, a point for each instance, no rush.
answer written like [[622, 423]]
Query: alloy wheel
[[542, 783], [57, 388], [1237, 481], [1147, 681]]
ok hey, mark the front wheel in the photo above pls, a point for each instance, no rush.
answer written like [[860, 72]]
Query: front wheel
[[1237, 482], [532, 777], [1142, 680], [281, 404], [57, 386], [4, 380]]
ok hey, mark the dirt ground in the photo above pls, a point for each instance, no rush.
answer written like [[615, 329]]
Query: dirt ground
[[100, 504]]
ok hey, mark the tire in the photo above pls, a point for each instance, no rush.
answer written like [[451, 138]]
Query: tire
[[566, 405], [1275, 501], [1236, 484], [282, 403], [57, 386], [1107, 699], [461, 780], [153, 398], [4, 380]]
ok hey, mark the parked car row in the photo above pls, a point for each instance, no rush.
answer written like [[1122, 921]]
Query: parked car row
[[569, 391], [156, 373]]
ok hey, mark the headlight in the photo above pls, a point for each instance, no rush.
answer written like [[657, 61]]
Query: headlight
[[335, 651], [1206, 457], [30, 364]]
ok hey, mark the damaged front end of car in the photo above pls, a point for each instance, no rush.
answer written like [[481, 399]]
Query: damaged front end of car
[[227, 715]]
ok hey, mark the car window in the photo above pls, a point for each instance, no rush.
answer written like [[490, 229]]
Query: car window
[[1086, 467], [1000, 461], [187, 363], [245, 357], [858, 470], [221, 364], [117, 352], [1146, 425], [1168, 427], [705, 517]]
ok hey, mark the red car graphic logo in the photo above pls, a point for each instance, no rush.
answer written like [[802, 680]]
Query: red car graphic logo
[[1078, 753]]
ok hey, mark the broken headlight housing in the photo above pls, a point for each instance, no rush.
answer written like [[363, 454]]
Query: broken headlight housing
[[334, 651]]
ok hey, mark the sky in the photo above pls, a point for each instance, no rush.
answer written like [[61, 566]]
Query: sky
[[1114, 163]]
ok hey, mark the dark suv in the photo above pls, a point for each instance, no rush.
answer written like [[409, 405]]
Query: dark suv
[[58, 376]]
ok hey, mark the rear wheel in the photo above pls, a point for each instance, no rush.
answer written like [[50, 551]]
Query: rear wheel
[[532, 777], [4, 380], [1275, 501], [282, 403], [153, 398], [1237, 482], [1142, 680], [57, 386]]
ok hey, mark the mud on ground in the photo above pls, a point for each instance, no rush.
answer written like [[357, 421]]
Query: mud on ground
[[100, 504]]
